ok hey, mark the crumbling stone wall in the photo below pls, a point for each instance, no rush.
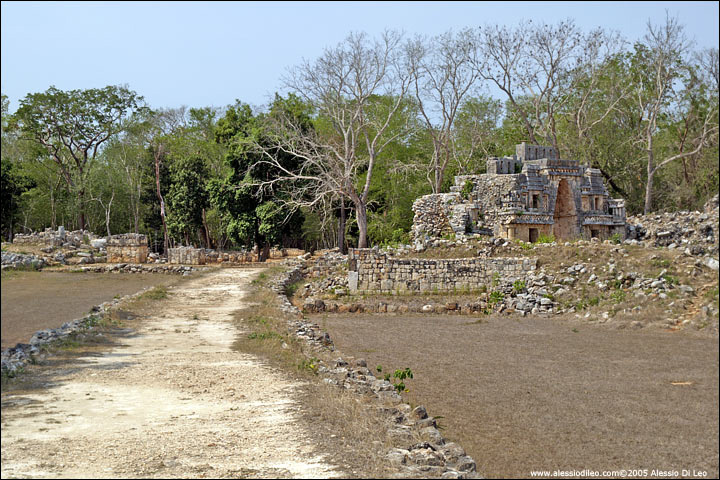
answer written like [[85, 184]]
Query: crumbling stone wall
[[127, 248], [373, 271], [55, 238], [186, 256], [432, 214]]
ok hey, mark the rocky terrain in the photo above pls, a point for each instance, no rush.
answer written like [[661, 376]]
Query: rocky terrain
[[669, 261]]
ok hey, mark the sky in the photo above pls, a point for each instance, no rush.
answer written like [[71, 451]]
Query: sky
[[211, 53]]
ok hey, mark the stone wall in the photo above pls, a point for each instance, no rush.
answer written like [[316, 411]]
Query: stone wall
[[186, 256], [373, 271], [127, 248], [55, 238], [432, 214]]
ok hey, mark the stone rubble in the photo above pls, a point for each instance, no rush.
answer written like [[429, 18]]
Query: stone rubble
[[56, 238], [12, 260], [695, 233]]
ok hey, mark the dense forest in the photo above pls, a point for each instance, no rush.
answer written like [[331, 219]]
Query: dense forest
[[364, 130]]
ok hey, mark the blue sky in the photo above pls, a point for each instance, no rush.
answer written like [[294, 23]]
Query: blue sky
[[211, 53]]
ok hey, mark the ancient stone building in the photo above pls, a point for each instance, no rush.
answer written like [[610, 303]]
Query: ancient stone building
[[530, 194], [127, 248]]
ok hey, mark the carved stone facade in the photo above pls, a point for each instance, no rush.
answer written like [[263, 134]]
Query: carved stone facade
[[530, 194]]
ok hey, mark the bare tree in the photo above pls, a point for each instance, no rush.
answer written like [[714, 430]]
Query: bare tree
[[443, 75], [538, 65], [503, 59], [475, 131], [346, 86], [662, 59]]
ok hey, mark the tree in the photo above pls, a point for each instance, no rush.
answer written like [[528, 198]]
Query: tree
[[128, 153], [443, 74], [475, 133], [253, 215], [658, 66], [72, 126], [187, 197], [341, 86], [538, 67]]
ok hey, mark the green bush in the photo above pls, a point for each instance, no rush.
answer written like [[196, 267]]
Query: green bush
[[496, 297], [518, 286], [618, 296], [542, 238], [467, 189]]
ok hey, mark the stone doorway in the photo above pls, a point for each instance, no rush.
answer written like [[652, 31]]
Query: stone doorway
[[533, 234], [565, 217]]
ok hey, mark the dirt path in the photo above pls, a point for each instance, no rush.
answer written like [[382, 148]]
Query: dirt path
[[174, 401]]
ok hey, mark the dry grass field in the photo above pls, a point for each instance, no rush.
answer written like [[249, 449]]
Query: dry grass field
[[523, 394]]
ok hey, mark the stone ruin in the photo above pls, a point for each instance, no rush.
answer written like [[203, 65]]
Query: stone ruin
[[56, 238], [530, 194], [186, 256], [127, 248]]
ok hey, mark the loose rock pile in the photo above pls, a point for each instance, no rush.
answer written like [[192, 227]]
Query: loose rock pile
[[18, 260], [142, 268], [56, 238], [695, 233], [431, 455]]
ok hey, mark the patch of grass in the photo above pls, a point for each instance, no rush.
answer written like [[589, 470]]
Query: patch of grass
[[265, 336], [542, 238], [618, 296], [467, 189], [523, 245], [712, 293], [660, 263], [292, 288], [156, 293]]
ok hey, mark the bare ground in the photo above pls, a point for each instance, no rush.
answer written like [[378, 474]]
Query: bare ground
[[33, 301], [524, 394], [174, 400]]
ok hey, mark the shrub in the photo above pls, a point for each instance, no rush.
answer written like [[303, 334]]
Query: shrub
[[518, 286], [542, 238], [618, 296], [615, 238], [467, 189], [496, 297]]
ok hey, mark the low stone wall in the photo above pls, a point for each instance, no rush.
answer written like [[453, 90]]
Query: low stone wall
[[127, 248], [55, 238], [186, 256], [371, 271]]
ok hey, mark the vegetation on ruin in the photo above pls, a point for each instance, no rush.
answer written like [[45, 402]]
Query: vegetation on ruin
[[340, 163]]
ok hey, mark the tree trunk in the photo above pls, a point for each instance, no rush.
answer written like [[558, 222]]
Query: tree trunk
[[162, 203], [207, 231], [649, 185], [361, 216], [81, 207], [341, 227]]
